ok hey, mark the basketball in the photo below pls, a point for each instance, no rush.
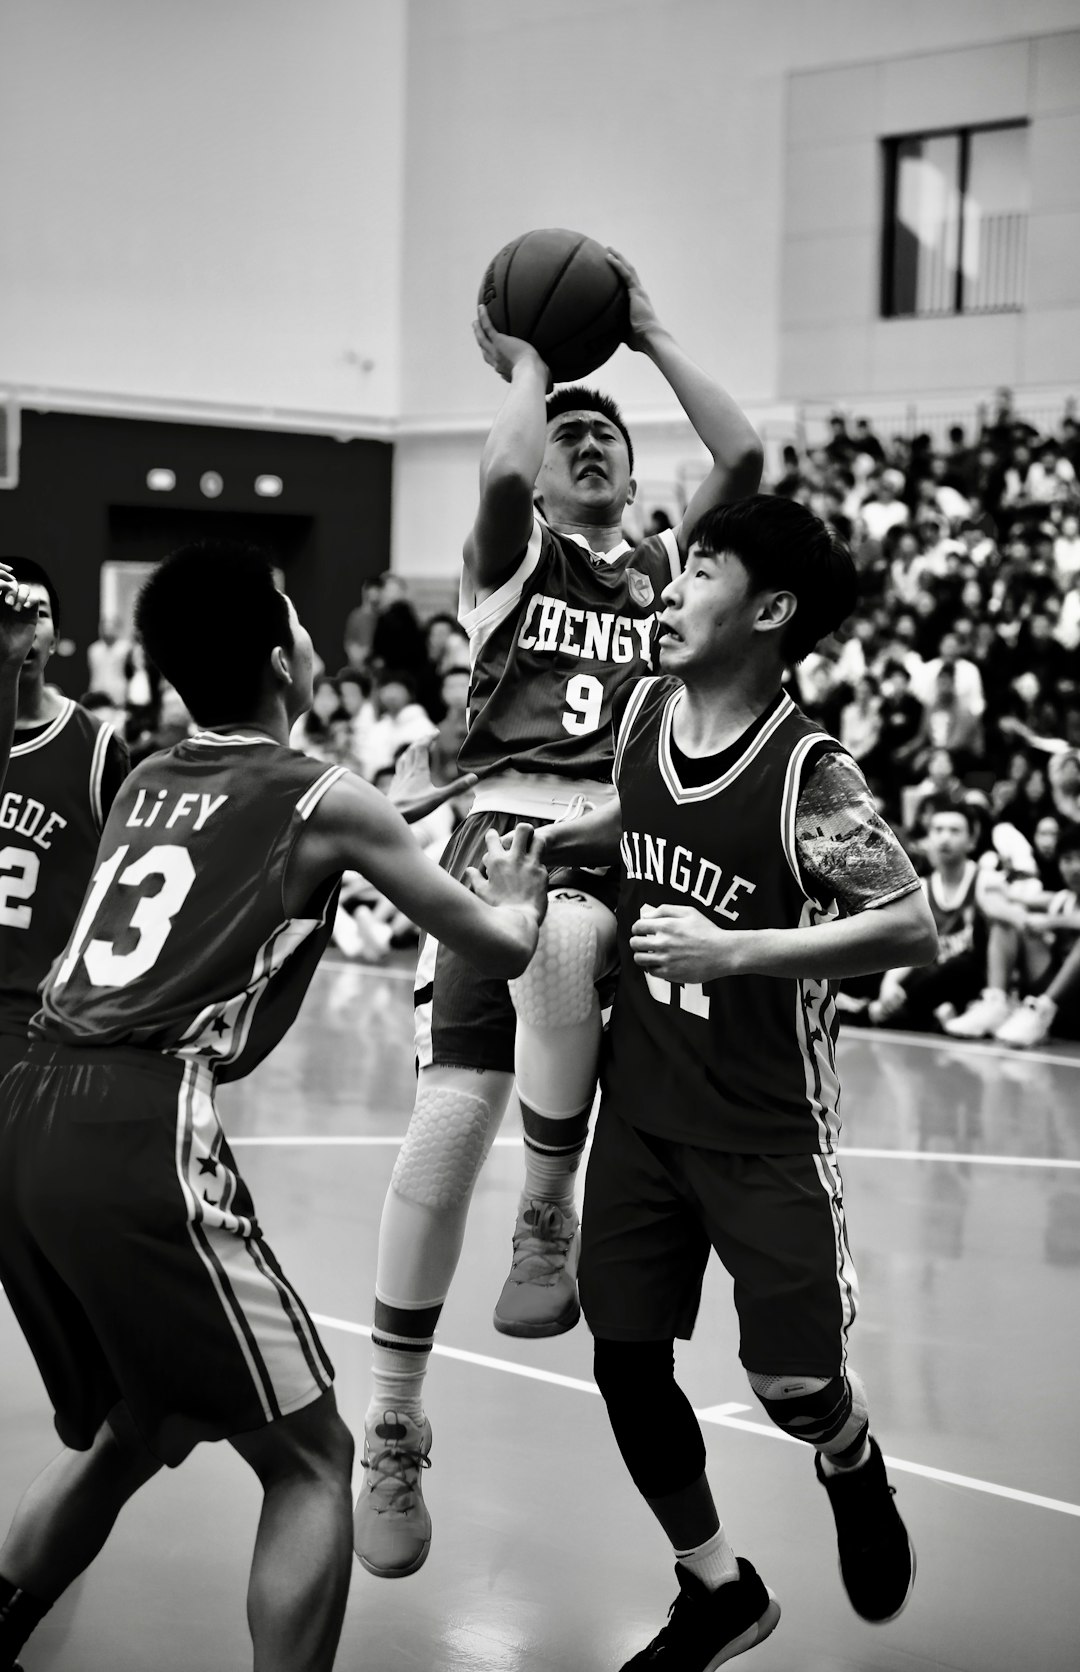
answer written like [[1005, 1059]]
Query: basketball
[[558, 291]]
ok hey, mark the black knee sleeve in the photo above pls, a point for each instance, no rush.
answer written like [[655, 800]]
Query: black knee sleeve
[[651, 1418], [827, 1417]]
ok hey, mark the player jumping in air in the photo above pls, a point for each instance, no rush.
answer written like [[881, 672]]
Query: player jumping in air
[[130, 1250], [559, 610], [755, 872]]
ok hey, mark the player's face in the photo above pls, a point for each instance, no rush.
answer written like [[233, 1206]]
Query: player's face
[[44, 634], [709, 613], [948, 838], [302, 666], [585, 476]]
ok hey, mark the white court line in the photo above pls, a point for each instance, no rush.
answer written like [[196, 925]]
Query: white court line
[[849, 1036], [722, 1415], [945, 1042], [385, 1141]]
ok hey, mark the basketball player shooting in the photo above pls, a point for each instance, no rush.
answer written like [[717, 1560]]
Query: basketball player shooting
[[559, 609], [756, 872]]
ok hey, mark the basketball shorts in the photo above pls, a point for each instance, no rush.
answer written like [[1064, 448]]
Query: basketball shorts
[[654, 1209], [13, 1047], [465, 1019], [132, 1257]]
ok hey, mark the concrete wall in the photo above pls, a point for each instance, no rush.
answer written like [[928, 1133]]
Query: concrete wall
[[832, 338], [201, 206]]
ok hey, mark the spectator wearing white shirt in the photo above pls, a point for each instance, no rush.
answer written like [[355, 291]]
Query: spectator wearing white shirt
[[1067, 550], [967, 678], [886, 510], [401, 719]]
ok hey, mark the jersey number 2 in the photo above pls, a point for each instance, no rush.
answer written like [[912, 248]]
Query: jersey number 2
[[151, 920], [18, 879]]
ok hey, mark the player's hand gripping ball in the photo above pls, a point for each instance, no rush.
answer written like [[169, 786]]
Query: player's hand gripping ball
[[559, 291]]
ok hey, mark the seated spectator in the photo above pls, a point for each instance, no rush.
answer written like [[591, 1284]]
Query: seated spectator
[[1032, 959], [940, 788], [924, 998], [437, 629], [967, 681], [948, 724], [792, 479], [400, 719], [355, 687], [456, 651], [397, 639], [866, 442], [311, 733], [860, 720], [886, 509], [454, 694], [1067, 551]]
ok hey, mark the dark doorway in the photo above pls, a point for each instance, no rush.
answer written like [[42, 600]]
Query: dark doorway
[[147, 533]]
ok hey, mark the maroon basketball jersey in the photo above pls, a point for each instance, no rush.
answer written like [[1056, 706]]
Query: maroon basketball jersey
[[552, 646], [957, 920], [745, 1063], [60, 783], [183, 944]]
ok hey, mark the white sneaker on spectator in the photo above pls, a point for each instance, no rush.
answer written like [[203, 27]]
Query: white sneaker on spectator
[[1029, 1024], [983, 1016]]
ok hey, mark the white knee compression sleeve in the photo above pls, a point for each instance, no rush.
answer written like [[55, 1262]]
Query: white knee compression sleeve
[[827, 1412], [454, 1121], [558, 1011]]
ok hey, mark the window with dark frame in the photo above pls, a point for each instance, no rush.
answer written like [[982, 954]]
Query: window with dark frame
[[955, 222]]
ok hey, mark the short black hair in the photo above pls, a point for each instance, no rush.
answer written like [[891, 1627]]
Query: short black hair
[[576, 398], [959, 809], [1069, 838], [783, 546], [29, 573], [209, 617]]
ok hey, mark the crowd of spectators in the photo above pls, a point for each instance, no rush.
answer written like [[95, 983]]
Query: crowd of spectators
[[955, 686]]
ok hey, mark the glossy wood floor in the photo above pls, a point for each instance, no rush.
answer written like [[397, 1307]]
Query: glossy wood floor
[[963, 1190]]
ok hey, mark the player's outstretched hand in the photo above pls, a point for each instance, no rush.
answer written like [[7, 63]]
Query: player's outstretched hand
[[513, 876], [678, 943], [413, 791], [18, 619], [643, 316], [502, 352]]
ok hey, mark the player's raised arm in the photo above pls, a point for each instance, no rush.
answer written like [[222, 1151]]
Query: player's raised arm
[[720, 423], [355, 828], [18, 623], [511, 460]]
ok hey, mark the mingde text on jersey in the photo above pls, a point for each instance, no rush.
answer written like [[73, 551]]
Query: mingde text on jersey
[[156, 807], [651, 859], [553, 625], [24, 816]]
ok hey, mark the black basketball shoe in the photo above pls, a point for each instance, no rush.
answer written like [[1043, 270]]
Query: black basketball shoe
[[706, 1628], [877, 1558]]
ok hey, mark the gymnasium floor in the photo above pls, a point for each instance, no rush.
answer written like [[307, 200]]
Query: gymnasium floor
[[963, 1194]]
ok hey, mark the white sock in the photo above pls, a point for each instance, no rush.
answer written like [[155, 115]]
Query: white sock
[[552, 1178], [712, 1562], [397, 1383]]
